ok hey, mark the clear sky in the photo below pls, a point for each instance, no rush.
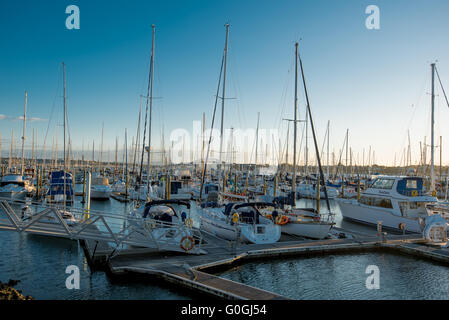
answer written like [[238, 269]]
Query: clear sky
[[374, 82]]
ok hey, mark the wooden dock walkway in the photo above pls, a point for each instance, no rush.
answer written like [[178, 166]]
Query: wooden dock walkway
[[189, 270]]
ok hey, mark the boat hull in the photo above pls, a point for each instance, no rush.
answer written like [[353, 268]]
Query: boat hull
[[13, 195], [258, 233], [353, 211], [313, 230]]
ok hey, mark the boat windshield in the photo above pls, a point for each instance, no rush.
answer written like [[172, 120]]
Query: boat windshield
[[19, 183], [383, 183]]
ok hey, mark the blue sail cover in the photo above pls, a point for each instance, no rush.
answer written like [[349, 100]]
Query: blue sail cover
[[57, 183]]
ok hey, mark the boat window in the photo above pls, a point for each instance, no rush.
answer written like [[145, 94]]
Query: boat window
[[411, 184], [383, 184], [376, 202], [413, 209]]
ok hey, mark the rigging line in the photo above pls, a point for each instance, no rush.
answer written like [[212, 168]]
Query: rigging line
[[282, 103], [444, 92], [212, 127], [300, 146], [324, 142], [146, 119], [314, 136], [51, 114], [137, 137], [339, 160]]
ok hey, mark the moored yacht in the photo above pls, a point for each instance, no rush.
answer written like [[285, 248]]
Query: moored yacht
[[239, 221], [399, 202], [13, 187], [100, 188]]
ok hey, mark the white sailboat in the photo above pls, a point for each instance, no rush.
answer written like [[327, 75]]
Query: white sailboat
[[301, 222], [239, 221]]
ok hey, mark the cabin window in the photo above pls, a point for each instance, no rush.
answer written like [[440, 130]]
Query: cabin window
[[383, 184], [376, 202], [411, 184], [413, 209]]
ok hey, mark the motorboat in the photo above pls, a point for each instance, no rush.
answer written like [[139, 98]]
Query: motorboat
[[397, 202], [100, 188], [13, 187]]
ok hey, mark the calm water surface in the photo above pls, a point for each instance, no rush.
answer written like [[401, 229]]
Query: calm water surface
[[343, 277], [40, 262]]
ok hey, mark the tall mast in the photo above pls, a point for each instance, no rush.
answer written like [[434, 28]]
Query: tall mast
[[10, 149], [64, 197], [347, 142], [1, 158], [317, 153], [115, 165], [137, 136], [32, 153], [151, 110], [202, 139], [257, 141], [432, 173], [101, 149], [306, 146], [295, 104], [223, 93], [126, 164], [328, 133], [23, 135], [286, 147]]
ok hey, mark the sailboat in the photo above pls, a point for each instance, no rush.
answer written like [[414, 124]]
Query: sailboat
[[294, 221], [237, 220], [100, 188], [14, 186]]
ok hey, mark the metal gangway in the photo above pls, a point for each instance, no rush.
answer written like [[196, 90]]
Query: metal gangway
[[120, 231]]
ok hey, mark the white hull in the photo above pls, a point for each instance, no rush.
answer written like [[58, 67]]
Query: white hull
[[101, 194], [258, 233], [314, 230], [350, 209], [13, 195]]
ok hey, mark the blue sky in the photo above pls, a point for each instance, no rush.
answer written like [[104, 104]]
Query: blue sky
[[364, 80]]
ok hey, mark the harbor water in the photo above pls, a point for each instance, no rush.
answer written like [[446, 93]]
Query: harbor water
[[40, 263]]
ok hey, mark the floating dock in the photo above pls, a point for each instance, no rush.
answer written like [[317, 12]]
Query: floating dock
[[124, 251], [191, 271]]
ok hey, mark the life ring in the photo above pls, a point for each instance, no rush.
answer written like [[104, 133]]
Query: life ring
[[189, 223], [281, 220], [235, 217], [414, 193], [187, 243]]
